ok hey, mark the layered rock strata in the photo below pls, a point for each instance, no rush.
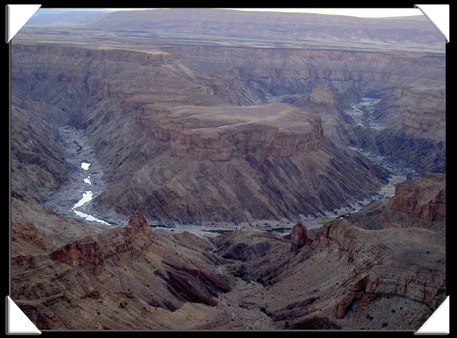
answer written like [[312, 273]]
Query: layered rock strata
[[130, 269], [424, 197], [345, 277], [420, 203], [235, 164], [157, 93]]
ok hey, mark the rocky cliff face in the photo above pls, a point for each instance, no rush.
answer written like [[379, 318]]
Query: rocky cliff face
[[424, 197], [38, 163], [420, 203], [186, 137], [128, 269], [420, 281], [411, 111], [346, 278], [255, 73]]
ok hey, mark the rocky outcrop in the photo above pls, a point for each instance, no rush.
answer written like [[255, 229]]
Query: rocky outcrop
[[129, 267], [419, 203], [343, 279], [425, 197], [299, 236], [322, 96], [246, 163], [219, 133], [420, 259], [79, 253]]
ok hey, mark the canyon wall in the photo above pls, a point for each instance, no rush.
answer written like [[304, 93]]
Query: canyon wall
[[181, 122], [135, 102], [198, 128], [254, 73]]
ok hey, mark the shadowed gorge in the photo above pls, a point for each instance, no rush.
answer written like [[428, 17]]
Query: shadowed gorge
[[219, 169]]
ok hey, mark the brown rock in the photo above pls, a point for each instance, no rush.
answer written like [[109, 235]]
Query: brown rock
[[137, 221], [423, 197], [299, 236], [79, 252], [322, 96]]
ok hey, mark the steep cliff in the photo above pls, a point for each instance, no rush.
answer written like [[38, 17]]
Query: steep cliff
[[424, 197], [38, 164], [256, 73]]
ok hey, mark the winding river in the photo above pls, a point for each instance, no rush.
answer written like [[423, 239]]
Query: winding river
[[87, 196], [86, 180]]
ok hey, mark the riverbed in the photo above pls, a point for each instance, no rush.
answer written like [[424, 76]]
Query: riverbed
[[86, 179], [87, 196], [362, 112]]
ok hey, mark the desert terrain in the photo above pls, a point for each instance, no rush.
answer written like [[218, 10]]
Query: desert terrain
[[202, 169]]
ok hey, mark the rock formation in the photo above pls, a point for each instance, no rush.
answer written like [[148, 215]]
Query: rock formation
[[299, 236], [269, 161], [176, 99], [344, 279], [425, 197], [197, 128], [420, 203], [131, 268], [243, 163]]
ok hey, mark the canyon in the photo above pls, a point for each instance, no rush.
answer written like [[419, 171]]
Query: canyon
[[217, 119], [339, 277]]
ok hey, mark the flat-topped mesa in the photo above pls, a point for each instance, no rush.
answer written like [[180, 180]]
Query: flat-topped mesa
[[220, 132], [243, 163]]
